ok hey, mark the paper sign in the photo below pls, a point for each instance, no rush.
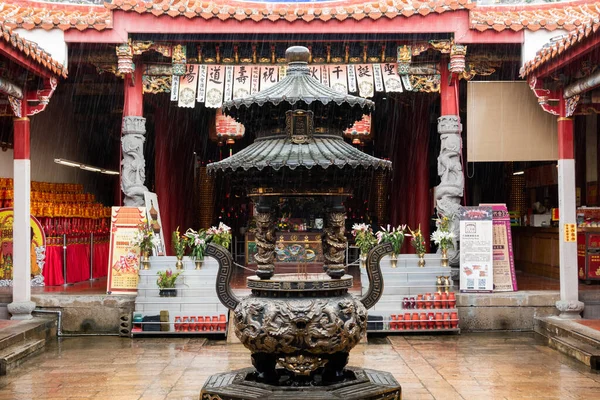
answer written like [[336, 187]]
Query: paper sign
[[188, 84], [338, 78], [364, 77], [255, 79], [174, 87], [351, 79], [504, 264], [391, 80], [377, 77], [570, 232], [202, 83], [241, 81], [268, 77]]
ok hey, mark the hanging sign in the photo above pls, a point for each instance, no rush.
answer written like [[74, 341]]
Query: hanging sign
[[174, 87], [228, 82], [391, 80], [282, 71], [505, 279], [351, 79], [325, 75], [188, 84], [255, 80], [338, 78], [315, 72], [268, 77], [202, 83], [364, 77], [124, 256], [214, 86], [241, 81], [406, 83], [476, 249], [377, 77]]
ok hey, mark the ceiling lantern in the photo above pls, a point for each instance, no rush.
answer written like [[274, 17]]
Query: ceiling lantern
[[227, 129], [360, 131]]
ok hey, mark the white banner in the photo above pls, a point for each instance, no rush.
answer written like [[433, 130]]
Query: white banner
[[255, 79], [214, 86], [241, 81], [406, 82], [391, 80], [377, 77], [338, 78], [351, 79], [325, 75], [174, 87], [315, 72], [476, 249], [188, 84], [202, 84], [228, 82], [282, 71], [268, 76], [364, 77]]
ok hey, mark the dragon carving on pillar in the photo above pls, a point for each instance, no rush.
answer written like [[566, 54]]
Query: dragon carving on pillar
[[334, 244], [133, 173], [265, 244]]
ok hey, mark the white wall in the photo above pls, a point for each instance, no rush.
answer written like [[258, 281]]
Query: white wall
[[52, 41], [534, 41]]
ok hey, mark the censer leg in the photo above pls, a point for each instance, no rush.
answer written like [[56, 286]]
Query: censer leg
[[334, 369], [264, 364]]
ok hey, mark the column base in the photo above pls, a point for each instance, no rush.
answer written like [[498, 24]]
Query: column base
[[21, 310], [570, 309]]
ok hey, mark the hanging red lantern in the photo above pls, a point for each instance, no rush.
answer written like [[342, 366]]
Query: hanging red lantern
[[360, 131], [227, 129]]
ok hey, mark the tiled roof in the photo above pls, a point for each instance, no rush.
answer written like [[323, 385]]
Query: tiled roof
[[309, 11], [559, 45], [31, 50], [567, 16], [30, 15]]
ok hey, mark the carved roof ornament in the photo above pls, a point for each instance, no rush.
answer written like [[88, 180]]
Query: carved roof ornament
[[125, 63]]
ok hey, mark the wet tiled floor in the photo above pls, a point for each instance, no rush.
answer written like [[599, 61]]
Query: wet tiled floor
[[468, 366]]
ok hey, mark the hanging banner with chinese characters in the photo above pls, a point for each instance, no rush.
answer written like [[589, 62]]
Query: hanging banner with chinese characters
[[391, 80], [228, 82], [124, 256], [505, 279], [241, 81], [351, 79], [282, 71], [268, 76], [325, 75], [174, 87], [202, 83], [255, 80], [338, 78], [315, 72], [214, 86], [188, 84], [377, 77], [364, 78]]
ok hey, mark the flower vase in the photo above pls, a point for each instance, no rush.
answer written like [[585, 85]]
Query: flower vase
[[445, 258], [198, 264], [394, 260], [167, 292], [179, 263], [146, 259], [421, 260], [363, 260]]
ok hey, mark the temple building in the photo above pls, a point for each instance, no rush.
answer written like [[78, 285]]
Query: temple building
[[475, 102]]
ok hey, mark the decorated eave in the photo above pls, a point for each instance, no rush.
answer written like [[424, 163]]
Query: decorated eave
[[30, 50], [31, 15]]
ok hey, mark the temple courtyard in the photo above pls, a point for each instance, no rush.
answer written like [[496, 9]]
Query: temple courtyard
[[466, 366]]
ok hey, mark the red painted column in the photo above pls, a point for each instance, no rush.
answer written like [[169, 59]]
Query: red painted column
[[134, 95], [449, 193], [21, 306], [569, 305]]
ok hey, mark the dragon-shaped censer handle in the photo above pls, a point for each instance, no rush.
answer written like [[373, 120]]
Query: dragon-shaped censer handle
[[374, 273], [225, 261]]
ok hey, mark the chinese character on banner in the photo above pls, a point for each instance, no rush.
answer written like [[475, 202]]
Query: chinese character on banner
[[202, 83], [255, 79], [241, 81], [315, 72], [214, 86], [174, 87], [282, 71], [228, 82], [188, 84], [268, 77], [378, 78], [338, 78], [351, 79], [391, 80], [364, 77]]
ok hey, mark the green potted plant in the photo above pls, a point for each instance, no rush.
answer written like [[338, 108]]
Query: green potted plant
[[178, 244], [220, 235], [197, 241], [395, 236], [418, 242], [364, 239], [166, 283]]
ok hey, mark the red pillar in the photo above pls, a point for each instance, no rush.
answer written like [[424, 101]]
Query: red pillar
[[448, 90]]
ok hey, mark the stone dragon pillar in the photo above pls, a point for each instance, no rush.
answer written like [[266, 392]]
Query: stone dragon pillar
[[133, 165]]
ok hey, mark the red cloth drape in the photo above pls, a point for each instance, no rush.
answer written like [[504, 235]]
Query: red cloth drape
[[53, 266], [410, 201], [78, 262], [100, 267]]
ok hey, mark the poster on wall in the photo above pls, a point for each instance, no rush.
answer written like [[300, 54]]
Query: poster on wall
[[505, 279], [476, 249], [37, 251], [154, 222], [124, 256]]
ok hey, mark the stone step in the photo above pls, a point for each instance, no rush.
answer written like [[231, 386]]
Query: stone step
[[571, 338], [11, 357]]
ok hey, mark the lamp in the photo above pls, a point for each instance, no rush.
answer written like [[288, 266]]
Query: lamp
[[85, 167]]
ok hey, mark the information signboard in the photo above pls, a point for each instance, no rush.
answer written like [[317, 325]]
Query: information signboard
[[476, 254]]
